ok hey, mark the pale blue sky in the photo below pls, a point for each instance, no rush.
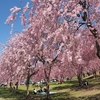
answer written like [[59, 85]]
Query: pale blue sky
[[5, 6]]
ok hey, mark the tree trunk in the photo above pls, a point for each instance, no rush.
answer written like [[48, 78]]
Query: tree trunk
[[16, 84], [27, 83], [47, 92], [96, 36], [27, 89], [28, 80], [92, 29], [11, 85], [47, 84], [16, 88], [79, 77]]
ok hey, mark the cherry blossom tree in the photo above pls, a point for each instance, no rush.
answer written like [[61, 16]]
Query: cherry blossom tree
[[52, 34], [25, 55], [45, 45], [17, 59], [9, 66]]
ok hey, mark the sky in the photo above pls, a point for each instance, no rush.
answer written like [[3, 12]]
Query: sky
[[5, 6]]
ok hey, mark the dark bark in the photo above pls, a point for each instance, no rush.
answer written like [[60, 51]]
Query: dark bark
[[47, 92], [11, 85], [27, 84], [27, 89], [47, 84], [85, 5], [28, 80], [95, 34], [16, 86], [98, 49], [79, 77]]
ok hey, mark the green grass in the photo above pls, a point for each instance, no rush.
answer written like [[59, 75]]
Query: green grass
[[68, 90]]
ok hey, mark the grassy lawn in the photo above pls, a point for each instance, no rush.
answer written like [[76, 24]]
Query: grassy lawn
[[66, 91]]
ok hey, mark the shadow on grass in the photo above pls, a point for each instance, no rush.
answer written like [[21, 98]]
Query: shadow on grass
[[20, 95], [6, 93], [76, 87], [61, 96], [69, 85], [61, 87], [58, 96]]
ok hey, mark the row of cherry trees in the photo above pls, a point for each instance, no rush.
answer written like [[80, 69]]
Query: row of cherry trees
[[60, 40]]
